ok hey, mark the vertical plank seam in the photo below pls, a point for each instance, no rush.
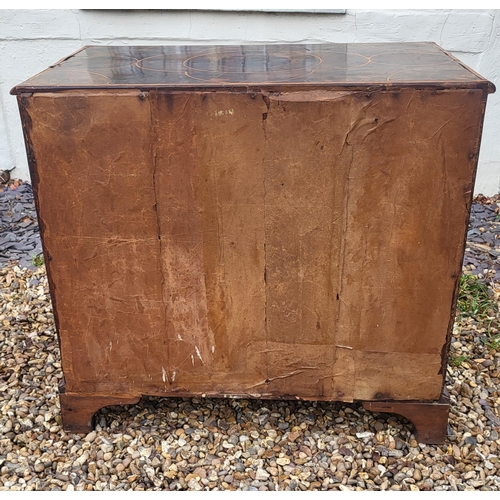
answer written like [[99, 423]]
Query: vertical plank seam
[[154, 152], [264, 118], [342, 254]]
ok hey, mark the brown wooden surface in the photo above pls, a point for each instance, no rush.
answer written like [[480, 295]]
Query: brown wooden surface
[[334, 65], [296, 244], [430, 419], [78, 410]]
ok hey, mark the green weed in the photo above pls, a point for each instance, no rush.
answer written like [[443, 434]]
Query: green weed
[[38, 260], [459, 359], [492, 340], [474, 299]]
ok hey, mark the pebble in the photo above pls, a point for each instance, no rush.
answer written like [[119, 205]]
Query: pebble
[[465, 390], [39, 467], [283, 461], [261, 475], [90, 437], [194, 485], [364, 435]]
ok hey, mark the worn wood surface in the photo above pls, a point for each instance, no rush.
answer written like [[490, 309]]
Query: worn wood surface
[[78, 410], [267, 244], [332, 65], [430, 419]]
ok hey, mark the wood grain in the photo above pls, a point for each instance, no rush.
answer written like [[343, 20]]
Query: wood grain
[[430, 419], [262, 244]]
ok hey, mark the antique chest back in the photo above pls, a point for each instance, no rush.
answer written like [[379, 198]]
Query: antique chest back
[[266, 221]]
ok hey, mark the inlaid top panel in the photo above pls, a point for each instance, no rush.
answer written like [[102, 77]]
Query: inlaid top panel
[[199, 66]]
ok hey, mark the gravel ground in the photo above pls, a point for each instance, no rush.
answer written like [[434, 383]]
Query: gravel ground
[[208, 444], [19, 233]]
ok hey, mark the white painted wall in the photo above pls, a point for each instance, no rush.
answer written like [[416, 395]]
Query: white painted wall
[[31, 40]]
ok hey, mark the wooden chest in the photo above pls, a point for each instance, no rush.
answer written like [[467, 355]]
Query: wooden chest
[[265, 221]]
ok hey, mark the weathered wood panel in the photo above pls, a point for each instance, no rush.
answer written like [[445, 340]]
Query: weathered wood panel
[[210, 208], [93, 179], [302, 244], [408, 188], [304, 204]]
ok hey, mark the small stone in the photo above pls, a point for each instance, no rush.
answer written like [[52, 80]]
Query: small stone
[[465, 390], [106, 448], [200, 472], [273, 471], [82, 458], [435, 476], [7, 427], [346, 451], [144, 451], [39, 467], [261, 475], [364, 435], [283, 461], [396, 453], [90, 437], [417, 475], [193, 484]]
